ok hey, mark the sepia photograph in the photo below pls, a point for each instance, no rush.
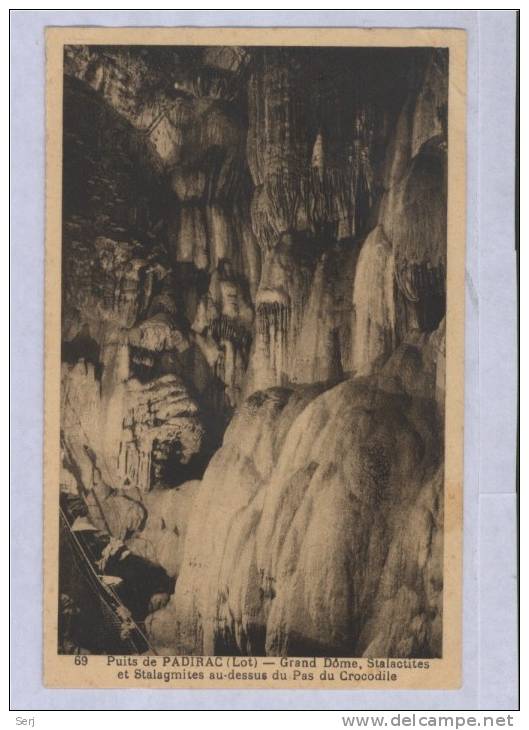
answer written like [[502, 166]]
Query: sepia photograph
[[251, 266], [264, 431]]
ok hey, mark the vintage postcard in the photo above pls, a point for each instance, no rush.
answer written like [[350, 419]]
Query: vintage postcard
[[254, 358]]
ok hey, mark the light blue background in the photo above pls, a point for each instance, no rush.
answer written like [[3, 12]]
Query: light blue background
[[490, 612]]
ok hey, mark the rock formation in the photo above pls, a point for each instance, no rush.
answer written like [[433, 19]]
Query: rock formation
[[254, 265]]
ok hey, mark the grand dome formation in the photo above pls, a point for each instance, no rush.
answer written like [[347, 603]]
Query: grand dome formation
[[253, 329]]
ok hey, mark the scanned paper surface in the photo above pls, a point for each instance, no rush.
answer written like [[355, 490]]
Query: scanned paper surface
[[254, 358]]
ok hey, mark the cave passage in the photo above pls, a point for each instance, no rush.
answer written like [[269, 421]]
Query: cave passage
[[253, 303]]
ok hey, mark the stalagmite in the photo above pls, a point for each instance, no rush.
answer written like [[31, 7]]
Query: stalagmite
[[374, 316]]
